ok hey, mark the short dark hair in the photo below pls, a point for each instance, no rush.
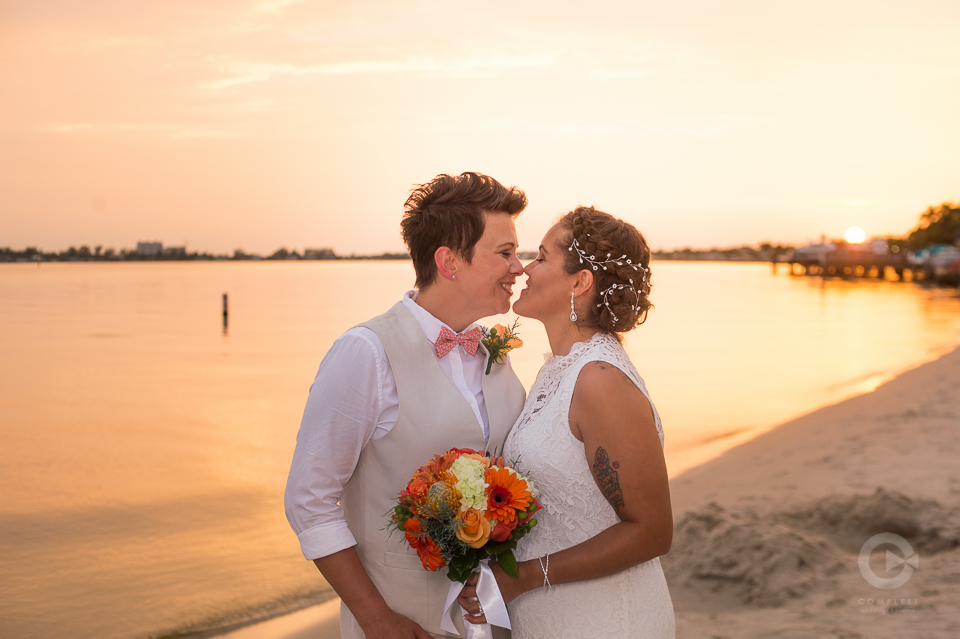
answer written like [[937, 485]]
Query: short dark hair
[[448, 211]]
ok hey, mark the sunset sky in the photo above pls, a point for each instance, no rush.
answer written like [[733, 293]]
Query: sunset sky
[[293, 123]]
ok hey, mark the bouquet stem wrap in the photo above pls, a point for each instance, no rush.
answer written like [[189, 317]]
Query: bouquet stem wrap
[[494, 607]]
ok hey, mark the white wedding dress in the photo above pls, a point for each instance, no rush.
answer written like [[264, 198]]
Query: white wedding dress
[[631, 603]]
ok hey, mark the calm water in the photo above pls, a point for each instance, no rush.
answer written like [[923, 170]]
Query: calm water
[[144, 450]]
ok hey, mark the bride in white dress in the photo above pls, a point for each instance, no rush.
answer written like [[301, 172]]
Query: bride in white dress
[[592, 442]]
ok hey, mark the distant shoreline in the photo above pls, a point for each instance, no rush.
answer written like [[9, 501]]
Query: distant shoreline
[[699, 256], [156, 252]]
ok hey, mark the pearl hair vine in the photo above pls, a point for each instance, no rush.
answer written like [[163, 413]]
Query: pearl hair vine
[[592, 259], [619, 287], [619, 261]]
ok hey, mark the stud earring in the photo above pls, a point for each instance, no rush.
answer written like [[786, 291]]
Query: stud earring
[[453, 277], [573, 311]]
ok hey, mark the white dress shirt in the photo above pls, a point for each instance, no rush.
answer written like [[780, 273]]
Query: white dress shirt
[[353, 400]]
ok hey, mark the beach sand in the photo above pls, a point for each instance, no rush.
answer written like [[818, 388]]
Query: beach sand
[[768, 535]]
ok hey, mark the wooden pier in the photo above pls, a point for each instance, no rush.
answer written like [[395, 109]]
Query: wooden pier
[[855, 264]]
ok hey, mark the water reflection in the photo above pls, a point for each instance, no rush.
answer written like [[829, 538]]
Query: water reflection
[[147, 440]]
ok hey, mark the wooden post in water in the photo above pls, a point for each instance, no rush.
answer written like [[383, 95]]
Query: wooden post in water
[[225, 311]]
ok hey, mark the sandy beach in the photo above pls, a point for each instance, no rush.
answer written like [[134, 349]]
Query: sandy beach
[[768, 535]]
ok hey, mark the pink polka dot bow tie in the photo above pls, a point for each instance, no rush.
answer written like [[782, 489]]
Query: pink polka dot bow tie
[[470, 340]]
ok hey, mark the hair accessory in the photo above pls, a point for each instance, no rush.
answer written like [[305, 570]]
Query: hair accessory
[[573, 311], [619, 261], [619, 287], [545, 569], [592, 259]]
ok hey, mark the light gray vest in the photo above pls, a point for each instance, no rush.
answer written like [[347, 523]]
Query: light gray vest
[[433, 418]]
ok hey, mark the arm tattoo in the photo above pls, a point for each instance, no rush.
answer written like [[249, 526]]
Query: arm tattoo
[[604, 366], [607, 478]]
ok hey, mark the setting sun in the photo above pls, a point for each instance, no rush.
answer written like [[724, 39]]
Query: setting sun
[[854, 235]]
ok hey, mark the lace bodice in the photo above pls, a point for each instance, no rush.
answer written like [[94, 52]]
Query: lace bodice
[[574, 510], [558, 377]]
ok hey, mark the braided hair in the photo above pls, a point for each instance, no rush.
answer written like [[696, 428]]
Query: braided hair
[[621, 287]]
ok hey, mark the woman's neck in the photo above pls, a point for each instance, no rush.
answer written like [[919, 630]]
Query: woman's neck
[[563, 334]]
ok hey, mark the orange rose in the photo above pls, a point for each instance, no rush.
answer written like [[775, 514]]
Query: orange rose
[[474, 529], [513, 342], [483, 459], [502, 531], [500, 329], [417, 488]]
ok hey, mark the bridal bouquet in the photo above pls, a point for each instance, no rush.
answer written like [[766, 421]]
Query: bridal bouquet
[[464, 506], [460, 508]]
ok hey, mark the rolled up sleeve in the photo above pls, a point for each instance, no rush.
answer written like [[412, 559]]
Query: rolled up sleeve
[[340, 417]]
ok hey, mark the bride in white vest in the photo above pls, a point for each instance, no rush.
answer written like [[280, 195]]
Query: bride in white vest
[[398, 389], [592, 442]]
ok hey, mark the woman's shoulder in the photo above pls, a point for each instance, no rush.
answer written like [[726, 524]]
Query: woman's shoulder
[[608, 350], [592, 364], [606, 374], [600, 380]]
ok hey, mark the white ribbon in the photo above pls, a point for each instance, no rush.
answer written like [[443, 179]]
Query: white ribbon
[[494, 607]]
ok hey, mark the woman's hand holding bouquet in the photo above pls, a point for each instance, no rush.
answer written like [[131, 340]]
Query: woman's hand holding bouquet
[[462, 507]]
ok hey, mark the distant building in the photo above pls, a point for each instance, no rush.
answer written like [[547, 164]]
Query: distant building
[[873, 247], [319, 254], [814, 251], [149, 249], [175, 251]]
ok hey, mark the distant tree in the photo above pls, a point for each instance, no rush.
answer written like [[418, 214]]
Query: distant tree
[[938, 225], [284, 254]]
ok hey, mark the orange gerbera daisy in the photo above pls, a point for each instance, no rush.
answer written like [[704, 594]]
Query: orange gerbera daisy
[[507, 494]]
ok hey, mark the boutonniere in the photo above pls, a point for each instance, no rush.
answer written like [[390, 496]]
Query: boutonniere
[[499, 341]]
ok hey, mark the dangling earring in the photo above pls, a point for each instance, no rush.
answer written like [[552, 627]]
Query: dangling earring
[[573, 311]]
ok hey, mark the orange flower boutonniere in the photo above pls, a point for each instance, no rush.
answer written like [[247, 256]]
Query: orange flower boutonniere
[[499, 341]]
